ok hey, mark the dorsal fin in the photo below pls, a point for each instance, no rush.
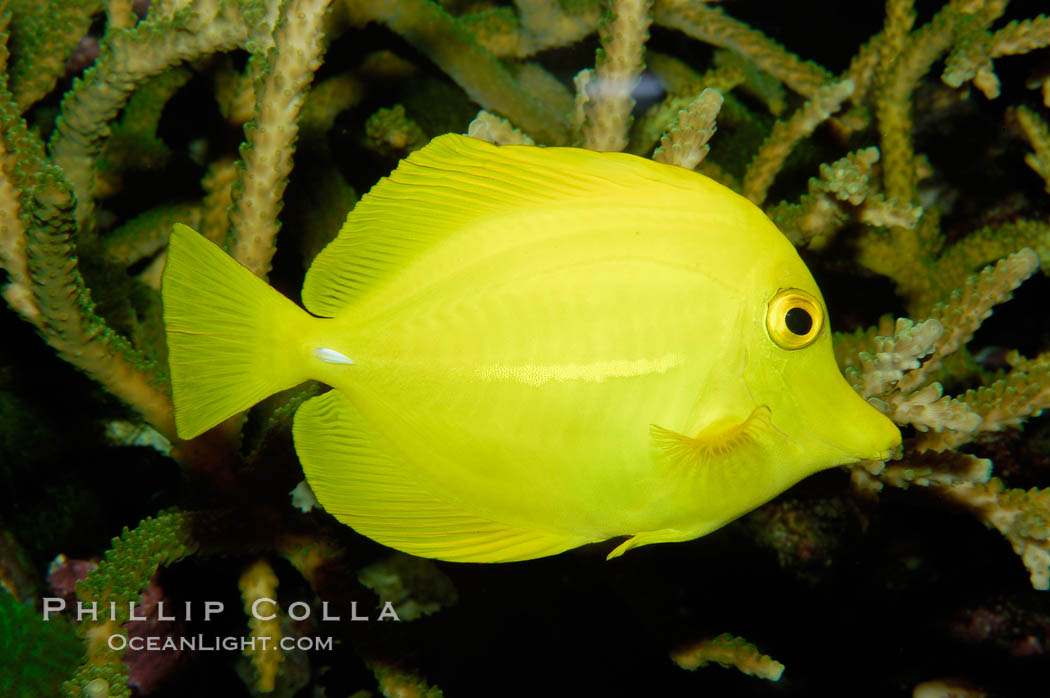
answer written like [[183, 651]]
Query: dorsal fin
[[455, 181]]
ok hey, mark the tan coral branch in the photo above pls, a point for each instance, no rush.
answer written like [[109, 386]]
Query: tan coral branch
[[730, 651], [786, 134], [270, 139], [1038, 135], [1023, 517], [971, 305], [711, 25], [128, 57], [685, 143], [18, 290], [489, 127], [618, 67]]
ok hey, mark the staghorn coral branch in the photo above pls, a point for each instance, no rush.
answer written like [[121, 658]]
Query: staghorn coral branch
[[544, 86], [67, 318], [931, 469], [128, 57], [119, 579], [685, 143], [972, 59], [582, 81], [1038, 135], [821, 212], [786, 134], [17, 292], [1023, 517], [270, 139], [491, 128], [542, 25], [445, 40], [119, 14], [864, 69], [893, 101], [728, 651], [1021, 37], [683, 85], [258, 581], [619, 64], [929, 409], [46, 33], [1023, 393], [218, 184], [971, 305], [147, 234], [884, 362], [891, 376], [712, 26]]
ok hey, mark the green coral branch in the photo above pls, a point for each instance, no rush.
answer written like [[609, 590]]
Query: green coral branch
[[447, 42], [43, 36], [147, 234], [1038, 134], [955, 22], [685, 143], [712, 26], [68, 321], [972, 59], [13, 180], [133, 144], [786, 134], [542, 25], [119, 580], [880, 51], [683, 85], [128, 57], [120, 14], [822, 212]]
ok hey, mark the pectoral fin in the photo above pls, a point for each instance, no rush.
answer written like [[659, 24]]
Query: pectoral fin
[[715, 443]]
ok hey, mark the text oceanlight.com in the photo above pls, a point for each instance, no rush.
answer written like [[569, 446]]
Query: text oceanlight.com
[[203, 643]]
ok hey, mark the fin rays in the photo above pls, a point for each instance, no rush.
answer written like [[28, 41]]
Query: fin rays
[[363, 481], [466, 180], [697, 451]]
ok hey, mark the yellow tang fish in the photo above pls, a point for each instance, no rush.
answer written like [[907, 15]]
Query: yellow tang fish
[[530, 349]]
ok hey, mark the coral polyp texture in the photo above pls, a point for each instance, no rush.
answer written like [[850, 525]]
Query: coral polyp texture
[[904, 150]]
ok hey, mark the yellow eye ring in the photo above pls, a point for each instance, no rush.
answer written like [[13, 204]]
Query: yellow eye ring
[[794, 319]]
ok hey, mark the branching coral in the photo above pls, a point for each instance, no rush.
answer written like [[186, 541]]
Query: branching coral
[[257, 583], [119, 580], [729, 650]]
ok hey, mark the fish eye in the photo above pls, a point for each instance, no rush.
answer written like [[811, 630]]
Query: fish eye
[[794, 319]]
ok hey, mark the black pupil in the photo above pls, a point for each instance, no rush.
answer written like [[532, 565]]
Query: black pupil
[[798, 321]]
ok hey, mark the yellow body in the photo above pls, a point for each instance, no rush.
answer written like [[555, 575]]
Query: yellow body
[[549, 347]]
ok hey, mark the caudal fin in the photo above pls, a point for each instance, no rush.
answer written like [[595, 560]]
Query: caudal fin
[[232, 339]]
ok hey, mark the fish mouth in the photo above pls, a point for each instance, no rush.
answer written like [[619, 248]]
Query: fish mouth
[[855, 429], [884, 453]]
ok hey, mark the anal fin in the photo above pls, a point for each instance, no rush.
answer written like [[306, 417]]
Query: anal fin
[[362, 481]]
